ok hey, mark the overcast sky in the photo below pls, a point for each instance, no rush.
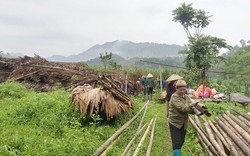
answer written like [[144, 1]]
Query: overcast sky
[[65, 27]]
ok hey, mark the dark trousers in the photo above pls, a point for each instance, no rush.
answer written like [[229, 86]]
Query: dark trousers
[[150, 90], [177, 136]]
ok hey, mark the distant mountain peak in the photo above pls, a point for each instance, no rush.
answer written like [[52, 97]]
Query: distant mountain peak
[[126, 49]]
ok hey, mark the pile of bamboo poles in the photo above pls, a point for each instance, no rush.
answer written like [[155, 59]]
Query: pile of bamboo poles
[[227, 135]]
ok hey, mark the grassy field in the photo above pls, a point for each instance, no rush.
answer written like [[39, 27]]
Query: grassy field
[[45, 124]]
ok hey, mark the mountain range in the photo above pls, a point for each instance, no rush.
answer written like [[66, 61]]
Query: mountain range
[[124, 50]]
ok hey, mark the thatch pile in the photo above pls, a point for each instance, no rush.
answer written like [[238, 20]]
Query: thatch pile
[[227, 135], [109, 100]]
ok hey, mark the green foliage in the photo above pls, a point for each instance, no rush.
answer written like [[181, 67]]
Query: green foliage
[[114, 65], [239, 63], [12, 89], [203, 52], [105, 58], [45, 124], [191, 18]]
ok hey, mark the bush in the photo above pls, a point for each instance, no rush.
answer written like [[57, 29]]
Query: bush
[[12, 90]]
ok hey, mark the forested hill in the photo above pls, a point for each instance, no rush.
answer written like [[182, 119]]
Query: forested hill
[[125, 49], [238, 61], [137, 61]]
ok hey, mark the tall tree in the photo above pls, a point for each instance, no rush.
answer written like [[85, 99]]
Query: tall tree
[[202, 51]]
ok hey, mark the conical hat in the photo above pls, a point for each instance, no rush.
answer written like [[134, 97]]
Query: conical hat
[[174, 77], [150, 75]]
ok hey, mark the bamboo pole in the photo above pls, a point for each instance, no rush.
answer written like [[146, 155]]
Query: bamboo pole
[[149, 149], [205, 147], [237, 140], [240, 123], [128, 147], [105, 145], [244, 115], [219, 135], [203, 137], [142, 139], [244, 120], [232, 148], [233, 130], [219, 142], [143, 116], [199, 124], [212, 139], [240, 130], [160, 78]]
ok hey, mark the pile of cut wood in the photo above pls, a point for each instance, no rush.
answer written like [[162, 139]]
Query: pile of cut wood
[[227, 135], [42, 75], [108, 100]]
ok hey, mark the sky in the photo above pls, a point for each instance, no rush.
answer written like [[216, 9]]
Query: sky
[[65, 27]]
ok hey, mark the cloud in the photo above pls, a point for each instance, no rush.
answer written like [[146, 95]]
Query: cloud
[[71, 26]]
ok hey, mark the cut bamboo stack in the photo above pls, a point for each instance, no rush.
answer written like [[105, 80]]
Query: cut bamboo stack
[[227, 135]]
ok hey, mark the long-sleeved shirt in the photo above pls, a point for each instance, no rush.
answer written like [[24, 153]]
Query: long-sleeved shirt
[[179, 108], [170, 91]]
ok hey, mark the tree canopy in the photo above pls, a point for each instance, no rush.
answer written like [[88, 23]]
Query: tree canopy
[[202, 51]]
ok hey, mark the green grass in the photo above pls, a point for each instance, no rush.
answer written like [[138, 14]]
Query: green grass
[[46, 124], [162, 143]]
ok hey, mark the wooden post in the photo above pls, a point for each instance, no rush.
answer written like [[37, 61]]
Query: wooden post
[[126, 83], [203, 77], [160, 78]]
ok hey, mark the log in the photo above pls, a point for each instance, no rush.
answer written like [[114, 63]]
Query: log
[[149, 149], [240, 130], [212, 139], [237, 140], [142, 139], [232, 148], [105, 145]]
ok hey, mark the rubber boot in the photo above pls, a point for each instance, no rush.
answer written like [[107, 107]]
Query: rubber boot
[[177, 152], [151, 97]]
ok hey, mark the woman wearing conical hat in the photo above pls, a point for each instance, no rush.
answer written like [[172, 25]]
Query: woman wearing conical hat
[[150, 85], [171, 88]]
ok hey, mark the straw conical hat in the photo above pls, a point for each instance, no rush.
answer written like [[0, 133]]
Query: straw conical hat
[[174, 77], [150, 75]]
